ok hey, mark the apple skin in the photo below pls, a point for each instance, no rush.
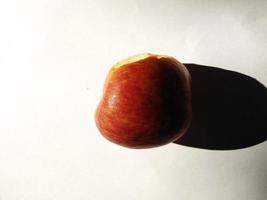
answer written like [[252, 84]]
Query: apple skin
[[146, 103]]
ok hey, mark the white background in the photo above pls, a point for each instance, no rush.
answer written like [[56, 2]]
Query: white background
[[54, 56]]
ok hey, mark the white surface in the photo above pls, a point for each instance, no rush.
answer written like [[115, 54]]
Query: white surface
[[54, 56]]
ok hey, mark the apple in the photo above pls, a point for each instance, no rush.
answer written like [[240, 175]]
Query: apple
[[146, 102]]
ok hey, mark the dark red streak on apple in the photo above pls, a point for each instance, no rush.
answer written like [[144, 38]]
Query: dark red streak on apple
[[146, 103]]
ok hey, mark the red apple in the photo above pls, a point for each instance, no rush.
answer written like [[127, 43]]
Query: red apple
[[146, 102]]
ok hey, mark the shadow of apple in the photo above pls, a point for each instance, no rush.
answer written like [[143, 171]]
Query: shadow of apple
[[229, 110]]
